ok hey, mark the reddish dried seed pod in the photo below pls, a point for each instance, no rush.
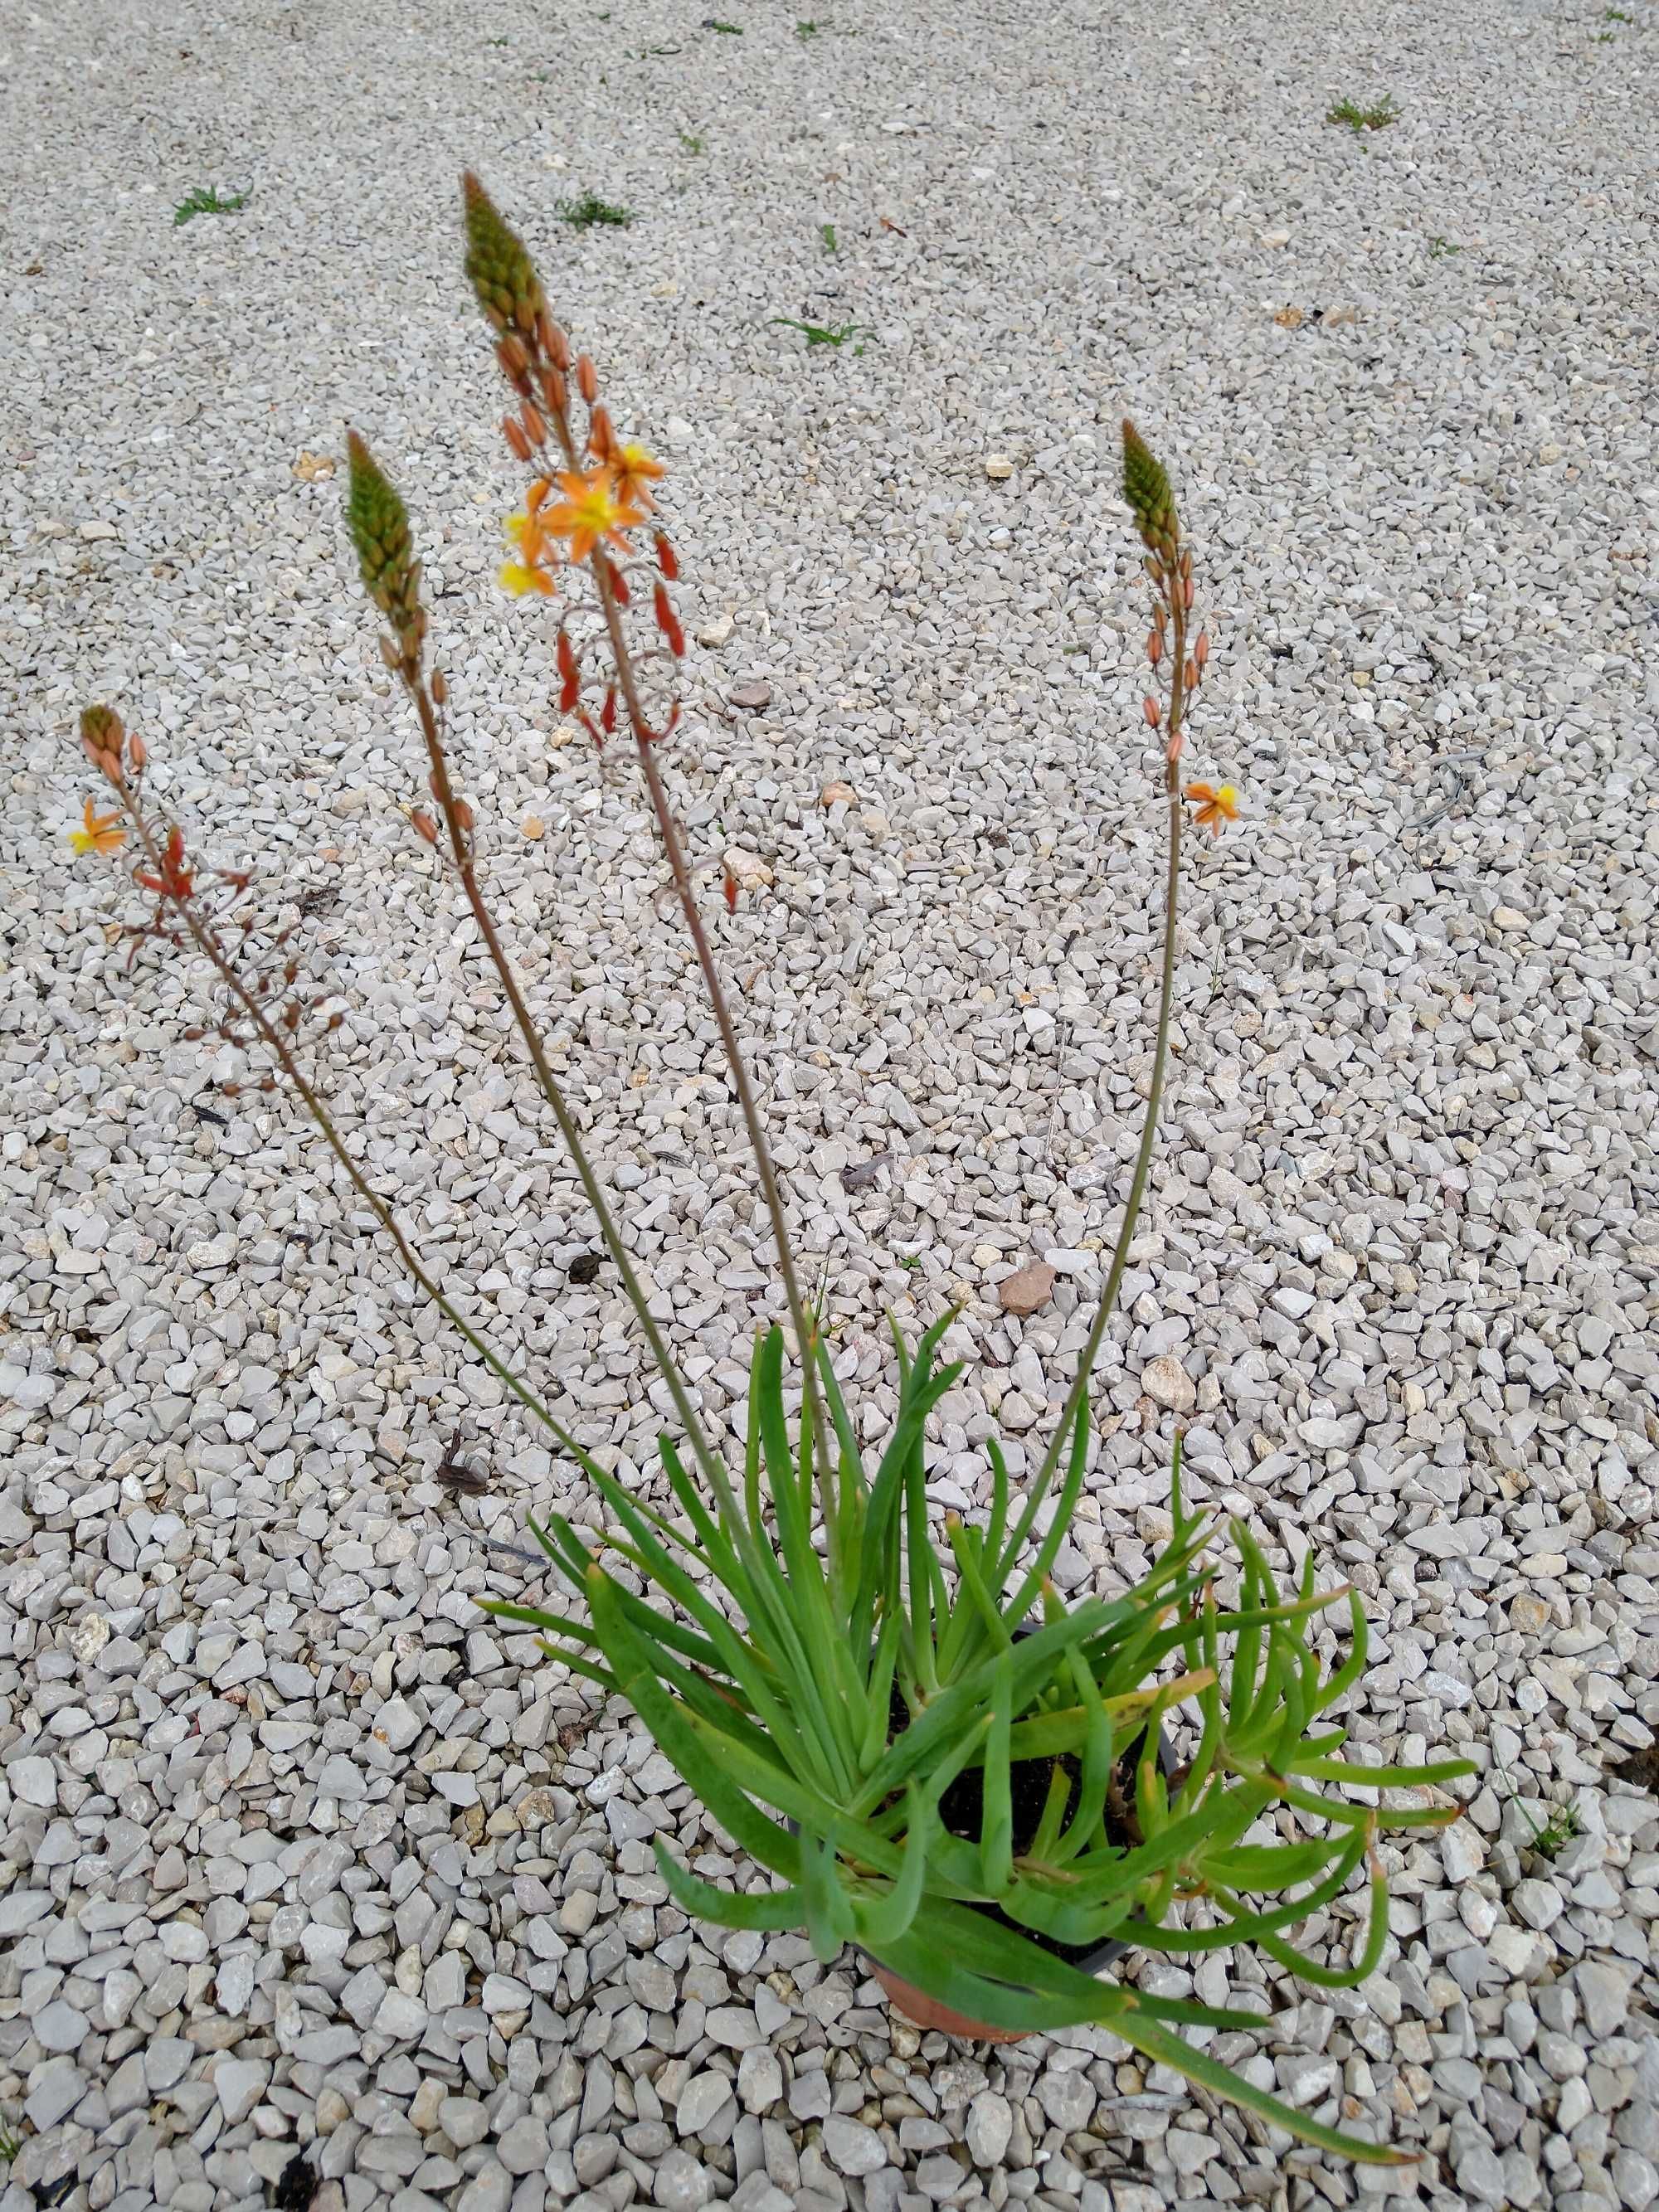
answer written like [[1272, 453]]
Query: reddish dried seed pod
[[729, 885], [463, 816], [1149, 708], [608, 712], [588, 379], [440, 687], [425, 827], [667, 560], [335, 1020]]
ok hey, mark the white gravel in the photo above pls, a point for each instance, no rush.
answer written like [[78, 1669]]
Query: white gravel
[[300, 1853]]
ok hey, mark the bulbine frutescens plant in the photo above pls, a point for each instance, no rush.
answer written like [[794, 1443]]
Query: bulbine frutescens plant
[[827, 1671]]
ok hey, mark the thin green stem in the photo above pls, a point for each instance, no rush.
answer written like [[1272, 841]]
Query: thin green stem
[[460, 843], [282, 1051], [679, 868], [1079, 1392]]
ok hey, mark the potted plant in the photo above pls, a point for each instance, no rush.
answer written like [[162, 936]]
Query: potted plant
[[925, 1750]]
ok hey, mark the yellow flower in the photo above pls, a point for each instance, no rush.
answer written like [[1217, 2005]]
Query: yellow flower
[[590, 510], [1213, 806], [528, 532], [102, 834], [518, 578]]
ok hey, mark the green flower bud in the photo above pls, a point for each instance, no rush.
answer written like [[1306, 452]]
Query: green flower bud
[[1146, 488], [378, 523], [498, 268]]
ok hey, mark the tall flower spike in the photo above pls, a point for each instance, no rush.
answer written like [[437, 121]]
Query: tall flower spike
[[1146, 489], [498, 268], [378, 523]]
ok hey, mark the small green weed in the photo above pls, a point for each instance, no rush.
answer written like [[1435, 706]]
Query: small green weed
[[805, 31], [498, 42], [827, 233], [206, 202], [693, 141], [9, 2146], [1548, 1836], [1558, 1832], [714, 23], [1441, 248], [590, 209], [816, 335], [911, 1260], [1616, 15], [1357, 119]]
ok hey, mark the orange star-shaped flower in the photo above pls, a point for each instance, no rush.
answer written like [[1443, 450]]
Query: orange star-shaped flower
[[101, 832], [1213, 805], [633, 470], [591, 510]]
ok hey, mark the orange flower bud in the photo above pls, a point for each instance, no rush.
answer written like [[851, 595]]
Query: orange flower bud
[[1191, 673], [1201, 649], [534, 428], [555, 391], [513, 434], [511, 354], [668, 622], [138, 754], [588, 379], [1149, 708], [1187, 587], [555, 344], [667, 560], [463, 816], [425, 827], [1176, 744], [1155, 648]]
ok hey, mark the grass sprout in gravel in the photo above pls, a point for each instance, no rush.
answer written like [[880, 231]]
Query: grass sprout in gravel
[[299, 1853]]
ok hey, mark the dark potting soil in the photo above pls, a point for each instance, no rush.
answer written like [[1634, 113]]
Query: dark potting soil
[[962, 1810]]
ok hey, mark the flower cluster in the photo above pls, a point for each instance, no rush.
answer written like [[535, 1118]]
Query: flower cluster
[[596, 507], [1169, 566], [591, 490]]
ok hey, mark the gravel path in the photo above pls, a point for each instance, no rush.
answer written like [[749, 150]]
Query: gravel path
[[296, 1850]]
